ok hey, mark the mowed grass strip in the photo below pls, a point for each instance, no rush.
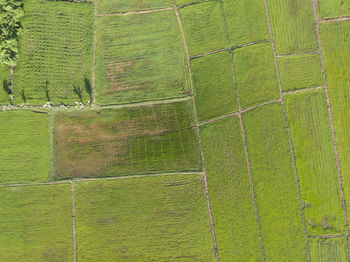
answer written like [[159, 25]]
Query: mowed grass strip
[[301, 71], [332, 249], [161, 218], [120, 6], [149, 139], [140, 58], [4, 84], [204, 27], [214, 89], [230, 191], [293, 27], [274, 183], [333, 8], [36, 223], [246, 21], [255, 74], [336, 50], [25, 150], [55, 53], [315, 161]]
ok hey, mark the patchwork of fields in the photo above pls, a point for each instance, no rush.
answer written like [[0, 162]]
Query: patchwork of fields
[[177, 130]]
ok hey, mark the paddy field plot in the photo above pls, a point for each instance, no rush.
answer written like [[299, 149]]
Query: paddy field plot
[[55, 53], [230, 191], [293, 27], [274, 183], [336, 51], [204, 27], [4, 84], [36, 224], [25, 150], [214, 88], [301, 71], [324, 250], [333, 8], [315, 161], [149, 139], [255, 74], [146, 61], [246, 21], [161, 218], [121, 6]]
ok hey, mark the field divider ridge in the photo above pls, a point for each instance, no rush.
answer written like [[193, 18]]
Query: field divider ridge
[[297, 54], [74, 234], [193, 3], [336, 155], [328, 236], [138, 12], [198, 134], [94, 43], [260, 105], [302, 90], [216, 119], [288, 129], [239, 114], [51, 145], [335, 19]]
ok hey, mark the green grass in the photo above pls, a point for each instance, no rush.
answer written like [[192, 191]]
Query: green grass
[[146, 61], [113, 6], [293, 26], [55, 53], [214, 89], [315, 160], [325, 250], [230, 192], [302, 71], [274, 183], [162, 218], [246, 21], [333, 8], [204, 27], [25, 150], [128, 141], [4, 84], [36, 224], [336, 50], [256, 74]]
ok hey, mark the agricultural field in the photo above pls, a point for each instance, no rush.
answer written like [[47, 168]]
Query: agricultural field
[[324, 250], [334, 8], [4, 82], [120, 6]]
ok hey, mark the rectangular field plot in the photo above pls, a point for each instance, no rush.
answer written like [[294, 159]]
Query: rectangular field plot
[[25, 150], [162, 218], [120, 6], [4, 84], [246, 21], [36, 223], [325, 250], [256, 74], [127, 141], [274, 183], [315, 160], [55, 53], [204, 27], [301, 71], [333, 8], [146, 61], [293, 26], [214, 89], [336, 50], [230, 192]]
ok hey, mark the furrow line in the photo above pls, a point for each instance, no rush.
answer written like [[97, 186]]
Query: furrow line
[[296, 54], [73, 225], [138, 12], [302, 90]]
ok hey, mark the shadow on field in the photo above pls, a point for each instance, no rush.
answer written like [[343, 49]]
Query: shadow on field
[[88, 87]]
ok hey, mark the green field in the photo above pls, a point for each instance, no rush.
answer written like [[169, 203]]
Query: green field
[[293, 27], [25, 150], [128, 141], [230, 192], [114, 6], [336, 50], [55, 53], [333, 8], [145, 62], [246, 21], [4, 82], [214, 89], [204, 27], [36, 224], [325, 250], [275, 187], [301, 71], [162, 218], [256, 74], [315, 161]]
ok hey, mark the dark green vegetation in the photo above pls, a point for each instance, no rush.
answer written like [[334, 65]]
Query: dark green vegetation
[[325, 250], [162, 218], [334, 8], [158, 138], [120, 6]]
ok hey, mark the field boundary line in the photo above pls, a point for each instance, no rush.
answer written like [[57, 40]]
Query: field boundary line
[[94, 44], [328, 236], [260, 105], [193, 3], [288, 130], [137, 12], [51, 145], [217, 119], [297, 54], [335, 19], [74, 233], [303, 90], [209, 53], [244, 139], [336, 155], [198, 134]]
